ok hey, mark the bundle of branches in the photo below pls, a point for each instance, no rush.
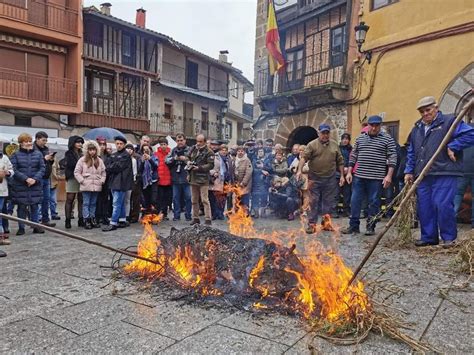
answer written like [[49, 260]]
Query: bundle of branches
[[406, 218]]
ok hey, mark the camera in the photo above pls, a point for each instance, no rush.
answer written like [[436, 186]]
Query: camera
[[190, 165]]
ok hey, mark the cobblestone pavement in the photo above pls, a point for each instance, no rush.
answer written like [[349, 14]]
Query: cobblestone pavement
[[57, 296]]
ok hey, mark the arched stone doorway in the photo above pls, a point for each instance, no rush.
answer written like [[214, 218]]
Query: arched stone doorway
[[301, 135], [458, 92]]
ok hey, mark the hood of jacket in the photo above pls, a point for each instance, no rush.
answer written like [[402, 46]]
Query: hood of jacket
[[91, 143], [72, 140]]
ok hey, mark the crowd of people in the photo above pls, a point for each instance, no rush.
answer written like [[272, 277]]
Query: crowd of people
[[114, 188]]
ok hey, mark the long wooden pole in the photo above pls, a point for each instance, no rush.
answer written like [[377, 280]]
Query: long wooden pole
[[412, 190], [77, 237]]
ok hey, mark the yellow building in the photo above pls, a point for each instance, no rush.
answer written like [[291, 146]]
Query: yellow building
[[419, 48]]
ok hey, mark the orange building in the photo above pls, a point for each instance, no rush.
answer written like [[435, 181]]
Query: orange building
[[40, 65]]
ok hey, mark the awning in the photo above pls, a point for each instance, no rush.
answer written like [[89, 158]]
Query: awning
[[31, 43], [192, 91]]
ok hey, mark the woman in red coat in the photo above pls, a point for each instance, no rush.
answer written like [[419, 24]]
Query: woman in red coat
[[165, 191]]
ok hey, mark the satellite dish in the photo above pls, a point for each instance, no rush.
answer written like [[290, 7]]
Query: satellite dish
[[280, 2]]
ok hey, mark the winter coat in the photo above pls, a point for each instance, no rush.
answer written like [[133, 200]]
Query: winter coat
[[280, 168], [260, 182], [90, 178], [120, 171], [469, 162], [179, 175], [71, 158], [204, 159], [346, 153], [7, 166], [422, 146], [153, 164], [243, 174], [27, 164], [164, 173], [48, 164], [218, 184]]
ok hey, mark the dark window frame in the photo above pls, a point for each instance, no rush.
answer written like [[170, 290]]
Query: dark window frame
[[168, 103], [228, 130], [23, 121], [100, 91], [191, 81], [389, 2], [204, 118], [131, 58], [94, 33], [340, 62], [393, 128]]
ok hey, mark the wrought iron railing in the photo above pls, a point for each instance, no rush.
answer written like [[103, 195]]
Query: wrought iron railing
[[28, 86], [39, 13]]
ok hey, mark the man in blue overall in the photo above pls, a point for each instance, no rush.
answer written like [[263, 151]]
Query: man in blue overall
[[436, 192]]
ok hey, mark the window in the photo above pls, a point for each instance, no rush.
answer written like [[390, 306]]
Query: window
[[204, 118], [23, 121], [377, 4], [294, 68], [228, 130], [393, 128], [93, 33], [102, 86], [128, 50], [192, 74], [338, 45], [168, 108], [235, 89]]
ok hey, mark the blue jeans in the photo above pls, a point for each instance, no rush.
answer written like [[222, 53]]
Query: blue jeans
[[2, 201], [33, 213], [180, 190], [53, 201], [463, 183], [45, 203], [118, 207], [372, 190], [435, 204], [89, 201]]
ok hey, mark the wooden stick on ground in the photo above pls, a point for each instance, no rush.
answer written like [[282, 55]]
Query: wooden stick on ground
[[77, 237], [412, 190]]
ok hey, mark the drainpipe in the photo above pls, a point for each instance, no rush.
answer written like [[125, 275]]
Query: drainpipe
[[348, 34]]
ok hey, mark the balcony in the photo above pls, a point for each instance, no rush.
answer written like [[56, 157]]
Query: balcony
[[34, 87], [167, 125], [308, 73], [47, 15], [87, 119]]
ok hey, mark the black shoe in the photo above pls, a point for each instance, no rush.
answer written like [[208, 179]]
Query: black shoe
[[449, 244], [38, 231], [421, 243], [67, 224], [105, 221], [94, 223], [123, 225], [2, 254], [110, 227], [370, 231], [208, 222], [350, 230], [88, 224], [55, 218], [21, 231], [49, 224], [189, 219], [195, 221], [6, 231], [80, 222]]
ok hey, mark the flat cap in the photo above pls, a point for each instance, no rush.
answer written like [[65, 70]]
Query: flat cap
[[374, 120], [215, 142], [426, 101], [324, 127]]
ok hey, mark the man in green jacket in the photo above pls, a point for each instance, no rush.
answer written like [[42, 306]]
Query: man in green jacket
[[201, 161]]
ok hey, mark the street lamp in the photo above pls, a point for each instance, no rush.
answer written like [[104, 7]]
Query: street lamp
[[360, 33]]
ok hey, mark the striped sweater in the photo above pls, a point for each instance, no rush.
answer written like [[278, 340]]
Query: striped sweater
[[373, 154]]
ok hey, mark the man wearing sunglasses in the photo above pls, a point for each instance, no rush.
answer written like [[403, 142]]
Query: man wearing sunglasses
[[437, 190]]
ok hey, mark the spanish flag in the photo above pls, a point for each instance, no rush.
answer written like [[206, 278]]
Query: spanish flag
[[272, 42]]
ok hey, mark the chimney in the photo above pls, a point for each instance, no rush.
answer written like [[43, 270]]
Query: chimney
[[223, 56], [141, 17], [105, 8]]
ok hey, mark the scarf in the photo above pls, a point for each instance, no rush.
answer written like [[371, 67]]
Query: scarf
[[224, 173], [147, 174]]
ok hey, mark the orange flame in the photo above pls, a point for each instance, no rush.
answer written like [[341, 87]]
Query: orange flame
[[240, 222]]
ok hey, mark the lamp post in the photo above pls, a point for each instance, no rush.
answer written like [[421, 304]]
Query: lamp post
[[360, 33]]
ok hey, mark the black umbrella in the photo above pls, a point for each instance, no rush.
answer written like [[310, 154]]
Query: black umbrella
[[106, 132]]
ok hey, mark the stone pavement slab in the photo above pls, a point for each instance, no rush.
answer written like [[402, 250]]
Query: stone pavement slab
[[32, 333], [218, 339], [94, 314], [116, 338], [176, 320], [278, 328]]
